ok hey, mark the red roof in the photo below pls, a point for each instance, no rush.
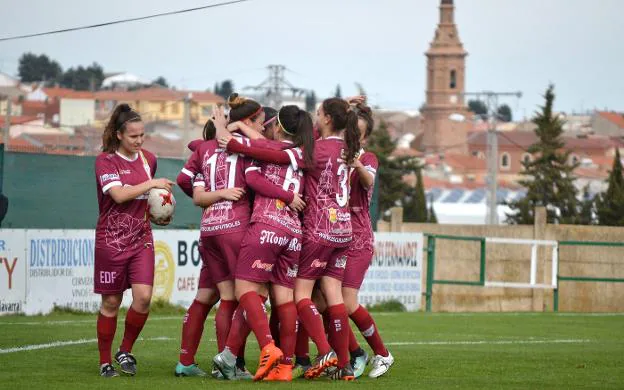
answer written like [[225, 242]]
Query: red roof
[[616, 118], [524, 139], [458, 161], [18, 120], [158, 94], [59, 93]]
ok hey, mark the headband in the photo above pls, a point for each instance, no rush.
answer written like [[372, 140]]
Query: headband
[[270, 121], [282, 126], [137, 117]]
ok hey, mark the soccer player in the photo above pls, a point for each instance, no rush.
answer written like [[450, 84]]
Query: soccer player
[[326, 230], [124, 250], [270, 250], [360, 254]]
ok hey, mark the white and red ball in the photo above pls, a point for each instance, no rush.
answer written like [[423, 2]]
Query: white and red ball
[[161, 205]]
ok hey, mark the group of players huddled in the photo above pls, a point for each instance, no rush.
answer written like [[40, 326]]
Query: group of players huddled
[[285, 218]]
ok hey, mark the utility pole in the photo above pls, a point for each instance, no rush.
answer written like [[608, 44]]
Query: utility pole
[[491, 101], [272, 88], [5, 140], [187, 124]]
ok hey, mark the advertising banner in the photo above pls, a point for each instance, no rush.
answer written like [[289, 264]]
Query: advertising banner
[[12, 271]]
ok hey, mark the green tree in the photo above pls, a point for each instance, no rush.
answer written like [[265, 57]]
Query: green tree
[[610, 204], [432, 217], [478, 108], [504, 113], [225, 89], [161, 81], [415, 204], [83, 79], [338, 92], [548, 178], [34, 67], [310, 101]]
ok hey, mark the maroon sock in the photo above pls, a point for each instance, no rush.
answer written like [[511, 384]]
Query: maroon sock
[[106, 327], [274, 324], [239, 331], [256, 317], [302, 347], [330, 335], [339, 331], [311, 320], [353, 343], [134, 324], [368, 328], [287, 330], [223, 321], [192, 329]]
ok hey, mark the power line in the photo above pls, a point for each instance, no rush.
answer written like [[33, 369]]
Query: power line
[[122, 21]]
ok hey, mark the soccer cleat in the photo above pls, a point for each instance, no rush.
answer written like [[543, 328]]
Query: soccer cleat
[[215, 372], [269, 357], [190, 370], [127, 362], [359, 363], [226, 364], [243, 374], [108, 371], [302, 364], [280, 373], [343, 374], [381, 365], [321, 363]]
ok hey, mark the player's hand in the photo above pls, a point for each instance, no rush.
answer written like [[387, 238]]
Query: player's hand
[[232, 127], [162, 222], [220, 122], [297, 204], [356, 99], [163, 183], [233, 194], [224, 140], [356, 163]]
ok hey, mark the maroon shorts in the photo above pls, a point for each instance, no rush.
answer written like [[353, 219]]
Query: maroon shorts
[[221, 255], [318, 260], [358, 261], [115, 271], [269, 254], [205, 278]]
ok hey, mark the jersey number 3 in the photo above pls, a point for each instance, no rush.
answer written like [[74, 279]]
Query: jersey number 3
[[343, 176]]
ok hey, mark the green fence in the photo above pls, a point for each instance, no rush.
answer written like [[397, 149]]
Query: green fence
[[583, 278]]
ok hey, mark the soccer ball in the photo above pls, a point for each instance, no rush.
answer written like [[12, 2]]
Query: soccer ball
[[161, 205]]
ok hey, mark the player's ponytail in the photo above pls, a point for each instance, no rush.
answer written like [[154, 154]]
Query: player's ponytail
[[344, 118], [210, 131], [117, 123], [297, 125]]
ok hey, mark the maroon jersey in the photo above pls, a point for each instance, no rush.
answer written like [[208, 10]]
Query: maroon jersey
[[122, 226], [326, 217], [215, 169], [359, 202], [271, 211]]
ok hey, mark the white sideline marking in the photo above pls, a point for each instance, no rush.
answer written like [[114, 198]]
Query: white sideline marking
[[488, 342], [57, 344], [92, 320]]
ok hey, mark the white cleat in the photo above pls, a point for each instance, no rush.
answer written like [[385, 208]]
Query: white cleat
[[381, 365]]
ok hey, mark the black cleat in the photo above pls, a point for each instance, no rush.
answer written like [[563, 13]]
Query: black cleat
[[108, 371], [126, 362]]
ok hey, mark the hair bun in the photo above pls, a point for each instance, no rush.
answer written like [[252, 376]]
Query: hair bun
[[124, 107], [235, 101]]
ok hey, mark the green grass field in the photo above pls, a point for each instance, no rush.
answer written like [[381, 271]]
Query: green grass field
[[523, 351]]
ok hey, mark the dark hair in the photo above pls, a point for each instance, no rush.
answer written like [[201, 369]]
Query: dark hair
[[366, 114], [343, 117], [269, 113], [297, 124], [117, 123], [242, 108], [210, 131]]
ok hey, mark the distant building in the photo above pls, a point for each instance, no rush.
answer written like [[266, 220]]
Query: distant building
[[608, 123]]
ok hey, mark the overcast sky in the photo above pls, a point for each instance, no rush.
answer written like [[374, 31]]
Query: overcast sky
[[513, 45]]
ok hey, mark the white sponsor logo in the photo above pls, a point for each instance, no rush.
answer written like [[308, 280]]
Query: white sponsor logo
[[220, 227], [125, 171], [269, 237], [341, 262], [294, 246], [369, 332], [334, 239], [109, 177], [292, 272]]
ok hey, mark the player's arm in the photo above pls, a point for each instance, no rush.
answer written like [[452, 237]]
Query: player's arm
[[257, 182], [203, 198], [186, 177], [245, 129], [366, 167], [122, 194], [258, 153]]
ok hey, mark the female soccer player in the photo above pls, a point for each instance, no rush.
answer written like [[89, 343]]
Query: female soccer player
[[270, 250], [124, 250], [360, 254], [326, 229]]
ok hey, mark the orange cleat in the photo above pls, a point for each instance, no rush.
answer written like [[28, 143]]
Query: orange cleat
[[282, 373], [321, 364], [269, 357]]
